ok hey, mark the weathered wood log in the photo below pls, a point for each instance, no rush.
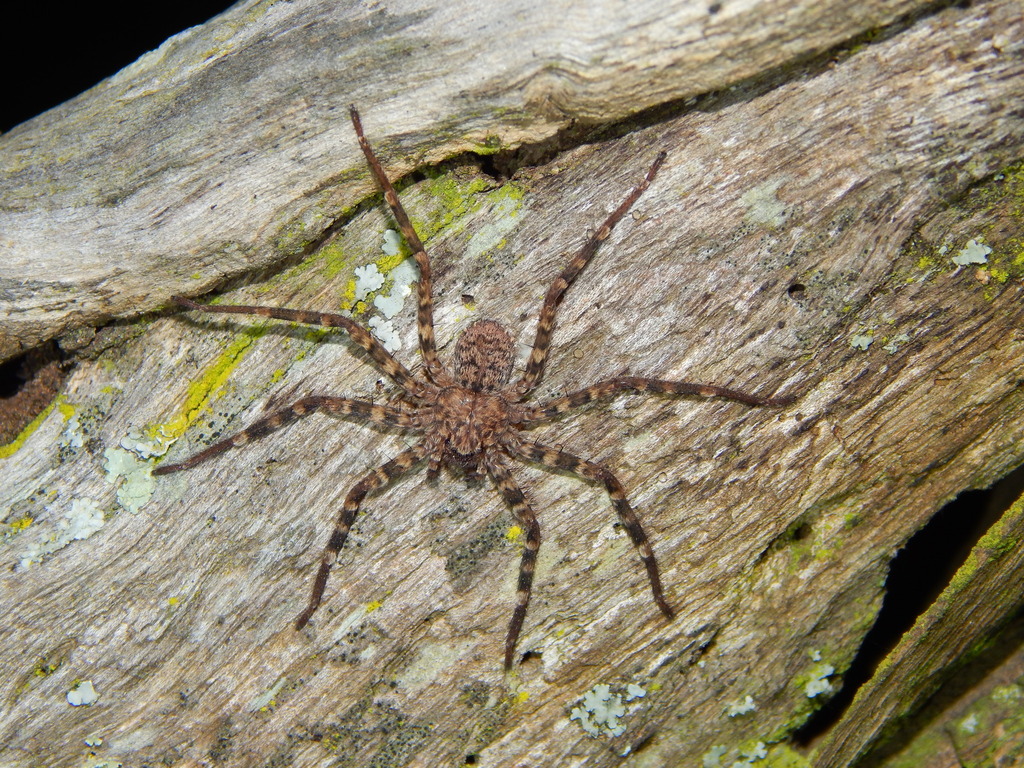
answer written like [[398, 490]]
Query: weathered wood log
[[983, 596], [846, 234], [227, 151]]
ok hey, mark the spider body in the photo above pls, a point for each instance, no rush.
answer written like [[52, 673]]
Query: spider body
[[471, 415], [467, 423]]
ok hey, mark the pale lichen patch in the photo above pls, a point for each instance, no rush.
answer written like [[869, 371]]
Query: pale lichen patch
[[81, 521], [392, 242], [266, 700], [740, 707], [368, 280], [713, 757], [82, 694], [969, 724], [72, 436], [386, 332], [147, 446], [763, 206], [861, 341], [507, 213], [133, 477], [972, 253], [818, 682], [893, 345], [431, 662], [746, 756], [601, 711]]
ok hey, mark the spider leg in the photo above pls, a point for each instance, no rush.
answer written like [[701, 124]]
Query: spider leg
[[588, 470], [433, 467], [425, 312], [546, 323], [523, 512], [358, 334], [383, 474], [636, 385], [378, 414]]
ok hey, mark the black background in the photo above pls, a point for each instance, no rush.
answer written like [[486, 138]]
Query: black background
[[49, 54]]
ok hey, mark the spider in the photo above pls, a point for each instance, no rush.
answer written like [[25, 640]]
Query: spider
[[469, 414]]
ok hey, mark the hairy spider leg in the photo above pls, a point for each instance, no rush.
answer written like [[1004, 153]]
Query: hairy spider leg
[[383, 474], [523, 512], [637, 385], [425, 311], [343, 406], [555, 458], [546, 322], [362, 337]]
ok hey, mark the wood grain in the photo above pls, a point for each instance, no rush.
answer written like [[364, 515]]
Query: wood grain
[[793, 221], [227, 151]]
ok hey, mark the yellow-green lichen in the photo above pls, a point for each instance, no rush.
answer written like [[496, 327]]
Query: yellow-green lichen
[[19, 525], [298, 233], [334, 259], [44, 668], [207, 388], [783, 756], [14, 446], [994, 543]]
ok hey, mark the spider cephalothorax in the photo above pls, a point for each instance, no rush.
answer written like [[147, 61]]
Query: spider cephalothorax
[[471, 416]]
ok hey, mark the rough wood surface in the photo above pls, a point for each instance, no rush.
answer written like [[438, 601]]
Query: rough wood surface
[[974, 721], [984, 594], [799, 239], [227, 150]]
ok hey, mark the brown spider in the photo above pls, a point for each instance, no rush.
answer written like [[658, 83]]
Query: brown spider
[[470, 415]]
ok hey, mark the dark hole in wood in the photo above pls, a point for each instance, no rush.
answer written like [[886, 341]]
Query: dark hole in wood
[[28, 385], [917, 575], [11, 377], [801, 532]]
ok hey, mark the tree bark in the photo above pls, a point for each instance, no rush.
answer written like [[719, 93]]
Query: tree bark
[[842, 227], [979, 601], [227, 152]]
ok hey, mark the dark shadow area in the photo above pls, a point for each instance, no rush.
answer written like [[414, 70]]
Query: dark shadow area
[[999, 664], [28, 385], [917, 575], [49, 55]]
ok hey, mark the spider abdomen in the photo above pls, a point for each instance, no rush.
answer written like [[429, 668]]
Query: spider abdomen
[[483, 357]]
